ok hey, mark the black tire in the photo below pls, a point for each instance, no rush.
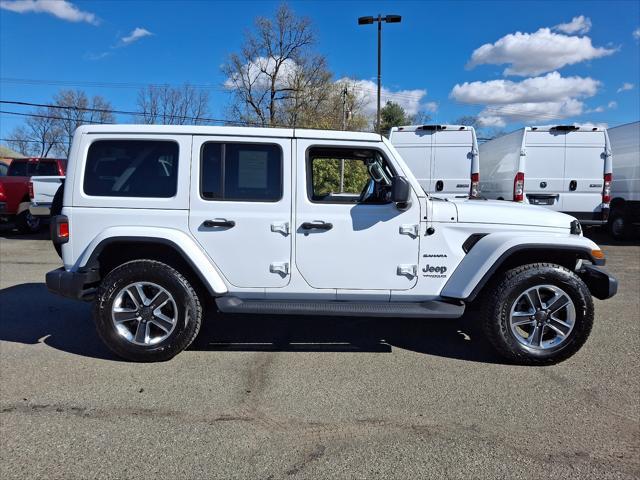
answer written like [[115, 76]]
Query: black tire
[[27, 223], [502, 294], [56, 209], [188, 311], [617, 226]]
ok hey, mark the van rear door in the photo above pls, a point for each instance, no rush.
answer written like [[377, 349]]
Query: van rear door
[[584, 173], [415, 147], [544, 168], [451, 164]]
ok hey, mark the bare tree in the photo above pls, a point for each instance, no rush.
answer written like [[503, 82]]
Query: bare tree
[[162, 104], [76, 110], [276, 77], [39, 135]]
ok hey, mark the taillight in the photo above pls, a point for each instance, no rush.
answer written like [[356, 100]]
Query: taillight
[[518, 187], [2, 194], [30, 189], [475, 180], [60, 229], [606, 190]]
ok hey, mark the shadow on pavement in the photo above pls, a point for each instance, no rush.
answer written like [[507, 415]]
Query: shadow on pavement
[[601, 237], [31, 315], [8, 231]]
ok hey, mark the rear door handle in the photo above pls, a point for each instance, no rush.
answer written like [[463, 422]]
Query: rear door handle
[[316, 226], [439, 186], [219, 223], [573, 185]]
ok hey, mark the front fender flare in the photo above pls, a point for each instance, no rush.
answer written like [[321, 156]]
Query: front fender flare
[[490, 252], [180, 241]]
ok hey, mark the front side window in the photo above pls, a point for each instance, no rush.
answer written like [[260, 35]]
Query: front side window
[[348, 175], [132, 168], [241, 172]]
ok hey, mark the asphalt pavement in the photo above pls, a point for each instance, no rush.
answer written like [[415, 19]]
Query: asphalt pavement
[[300, 397]]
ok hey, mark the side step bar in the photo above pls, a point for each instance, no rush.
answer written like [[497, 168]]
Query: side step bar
[[432, 309]]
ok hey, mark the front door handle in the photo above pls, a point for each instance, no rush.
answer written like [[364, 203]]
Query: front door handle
[[316, 226], [573, 184], [439, 186], [219, 223]]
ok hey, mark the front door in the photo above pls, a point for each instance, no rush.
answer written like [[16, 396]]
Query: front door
[[349, 235], [240, 209]]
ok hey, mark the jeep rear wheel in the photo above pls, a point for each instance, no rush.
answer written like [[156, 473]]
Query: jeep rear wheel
[[146, 311], [538, 314]]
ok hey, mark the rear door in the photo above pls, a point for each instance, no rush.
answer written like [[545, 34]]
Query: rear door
[[416, 147], [240, 208], [544, 168], [451, 163], [584, 172]]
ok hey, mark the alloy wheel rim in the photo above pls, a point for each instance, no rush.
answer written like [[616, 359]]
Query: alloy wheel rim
[[144, 313], [542, 317]]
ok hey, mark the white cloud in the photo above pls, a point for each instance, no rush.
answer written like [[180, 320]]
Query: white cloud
[[528, 112], [550, 87], [259, 71], [636, 33], [579, 25], [551, 96], [409, 100], [58, 8], [536, 53], [599, 109], [135, 35], [625, 86], [612, 104]]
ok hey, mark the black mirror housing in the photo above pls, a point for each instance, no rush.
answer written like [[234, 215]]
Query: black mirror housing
[[400, 191]]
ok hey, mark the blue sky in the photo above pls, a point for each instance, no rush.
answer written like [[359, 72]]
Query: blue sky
[[555, 71]]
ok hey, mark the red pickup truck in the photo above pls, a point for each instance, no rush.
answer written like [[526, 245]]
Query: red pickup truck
[[14, 190]]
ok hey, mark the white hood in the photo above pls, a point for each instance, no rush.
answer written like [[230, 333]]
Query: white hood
[[510, 213]]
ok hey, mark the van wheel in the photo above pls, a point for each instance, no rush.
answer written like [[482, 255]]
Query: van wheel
[[538, 314], [618, 226], [146, 311], [27, 223]]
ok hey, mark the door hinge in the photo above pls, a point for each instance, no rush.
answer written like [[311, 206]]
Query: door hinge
[[282, 227], [281, 268], [411, 230], [407, 270]]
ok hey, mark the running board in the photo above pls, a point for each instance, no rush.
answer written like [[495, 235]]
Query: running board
[[432, 309]]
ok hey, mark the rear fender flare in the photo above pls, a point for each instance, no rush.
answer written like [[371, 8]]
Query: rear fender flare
[[178, 240]]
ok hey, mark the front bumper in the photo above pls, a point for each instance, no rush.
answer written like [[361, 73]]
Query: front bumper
[[80, 285], [600, 283]]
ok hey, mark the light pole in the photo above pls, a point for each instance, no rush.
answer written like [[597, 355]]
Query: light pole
[[369, 21]]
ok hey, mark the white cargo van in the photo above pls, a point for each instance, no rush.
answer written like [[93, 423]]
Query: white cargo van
[[565, 168], [625, 188], [444, 158]]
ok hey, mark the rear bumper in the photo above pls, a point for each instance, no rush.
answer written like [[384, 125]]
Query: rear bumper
[[591, 218], [40, 209], [600, 283], [79, 285]]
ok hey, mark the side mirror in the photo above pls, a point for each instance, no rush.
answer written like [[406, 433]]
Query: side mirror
[[400, 192]]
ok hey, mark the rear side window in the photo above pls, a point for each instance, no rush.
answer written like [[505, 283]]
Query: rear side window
[[241, 172], [18, 169], [132, 168]]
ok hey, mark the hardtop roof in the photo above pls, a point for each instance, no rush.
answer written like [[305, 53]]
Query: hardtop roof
[[230, 131]]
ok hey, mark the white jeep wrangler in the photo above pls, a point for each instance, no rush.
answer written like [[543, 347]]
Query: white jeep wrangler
[[159, 222]]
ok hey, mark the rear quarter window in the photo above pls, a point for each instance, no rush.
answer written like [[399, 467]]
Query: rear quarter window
[[132, 168]]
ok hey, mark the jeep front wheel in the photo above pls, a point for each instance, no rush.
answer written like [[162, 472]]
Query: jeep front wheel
[[146, 311], [538, 314]]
